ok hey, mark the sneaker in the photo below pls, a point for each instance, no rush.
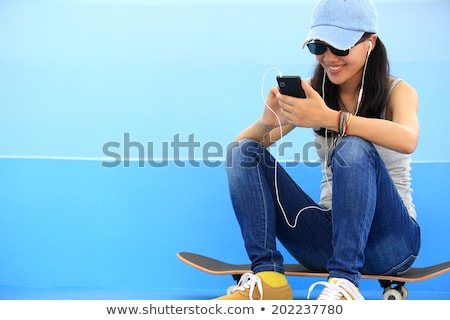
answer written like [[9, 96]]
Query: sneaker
[[251, 287], [337, 289]]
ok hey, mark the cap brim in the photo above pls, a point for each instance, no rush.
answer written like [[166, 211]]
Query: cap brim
[[339, 38]]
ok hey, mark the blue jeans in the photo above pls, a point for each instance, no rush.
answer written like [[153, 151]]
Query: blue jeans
[[367, 231]]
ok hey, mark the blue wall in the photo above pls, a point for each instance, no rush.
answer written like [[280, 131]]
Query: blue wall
[[84, 82]]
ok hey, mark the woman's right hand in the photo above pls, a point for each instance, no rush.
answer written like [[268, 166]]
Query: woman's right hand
[[272, 116], [268, 127]]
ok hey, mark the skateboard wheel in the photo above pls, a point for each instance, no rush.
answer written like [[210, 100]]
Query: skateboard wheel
[[392, 294], [404, 292], [230, 289]]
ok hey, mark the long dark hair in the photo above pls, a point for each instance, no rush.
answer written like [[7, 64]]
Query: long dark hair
[[376, 85]]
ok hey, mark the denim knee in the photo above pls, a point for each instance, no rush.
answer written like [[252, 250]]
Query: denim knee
[[352, 150], [243, 153]]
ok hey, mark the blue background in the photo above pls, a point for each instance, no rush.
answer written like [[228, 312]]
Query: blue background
[[82, 82]]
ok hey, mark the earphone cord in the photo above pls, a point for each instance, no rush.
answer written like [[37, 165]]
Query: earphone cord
[[361, 90], [277, 193], [362, 81]]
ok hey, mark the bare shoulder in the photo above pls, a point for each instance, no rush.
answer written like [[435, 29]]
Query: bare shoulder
[[402, 89], [403, 98]]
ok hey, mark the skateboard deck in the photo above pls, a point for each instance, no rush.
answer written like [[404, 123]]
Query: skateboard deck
[[393, 285]]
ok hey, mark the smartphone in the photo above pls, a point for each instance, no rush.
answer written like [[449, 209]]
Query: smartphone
[[291, 86]]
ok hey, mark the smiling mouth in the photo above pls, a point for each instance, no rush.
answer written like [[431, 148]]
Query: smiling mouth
[[334, 68]]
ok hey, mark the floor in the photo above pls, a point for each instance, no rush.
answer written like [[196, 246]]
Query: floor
[[172, 294]]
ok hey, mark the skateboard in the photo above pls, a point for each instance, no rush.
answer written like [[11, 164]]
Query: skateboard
[[393, 286]]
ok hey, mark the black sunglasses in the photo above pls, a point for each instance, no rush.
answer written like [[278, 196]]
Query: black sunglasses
[[319, 48]]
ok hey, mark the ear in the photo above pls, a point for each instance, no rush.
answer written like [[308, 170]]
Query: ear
[[372, 42]]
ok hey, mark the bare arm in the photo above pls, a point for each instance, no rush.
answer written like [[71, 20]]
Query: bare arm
[[267, 128], [402, 132]]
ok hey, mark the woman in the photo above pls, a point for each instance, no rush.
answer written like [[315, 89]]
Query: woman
[[366, 128]]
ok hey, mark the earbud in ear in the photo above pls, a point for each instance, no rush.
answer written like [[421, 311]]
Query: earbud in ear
[[370, 47]]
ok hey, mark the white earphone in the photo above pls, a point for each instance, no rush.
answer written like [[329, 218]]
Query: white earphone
[[370, 47]]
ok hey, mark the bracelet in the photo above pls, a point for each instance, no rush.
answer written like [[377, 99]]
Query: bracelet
[[349, 118], [344, 119]]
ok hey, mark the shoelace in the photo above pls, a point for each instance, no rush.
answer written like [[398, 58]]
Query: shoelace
[[248, 281], [332, 291]]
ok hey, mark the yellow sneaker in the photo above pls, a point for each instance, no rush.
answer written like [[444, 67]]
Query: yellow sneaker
[[337, 289], [245, 290]]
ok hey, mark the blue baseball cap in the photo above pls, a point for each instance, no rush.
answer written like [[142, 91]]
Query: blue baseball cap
[[341, 23]]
